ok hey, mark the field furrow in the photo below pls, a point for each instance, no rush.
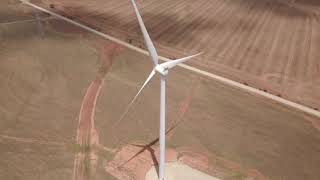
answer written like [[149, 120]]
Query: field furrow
[[246, 36]]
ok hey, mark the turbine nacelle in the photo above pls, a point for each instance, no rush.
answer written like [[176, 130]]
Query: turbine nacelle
[[162, 70]]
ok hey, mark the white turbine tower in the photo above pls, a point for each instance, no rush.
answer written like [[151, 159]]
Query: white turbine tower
[[163, 70]]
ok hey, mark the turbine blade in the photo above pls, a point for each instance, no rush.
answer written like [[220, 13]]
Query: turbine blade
[[135, 97], [173, 63], [152, 50]]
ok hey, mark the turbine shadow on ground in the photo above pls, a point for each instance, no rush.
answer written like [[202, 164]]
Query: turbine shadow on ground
[[291, 9], [148, 146]]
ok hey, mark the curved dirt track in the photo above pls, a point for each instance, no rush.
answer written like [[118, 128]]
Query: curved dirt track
[[87, 136]]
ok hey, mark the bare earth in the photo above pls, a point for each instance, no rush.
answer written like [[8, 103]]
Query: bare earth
[[271, 44], [60, 99]]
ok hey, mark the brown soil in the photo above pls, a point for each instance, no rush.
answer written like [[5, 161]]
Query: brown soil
[[270, 37], [66, 28]]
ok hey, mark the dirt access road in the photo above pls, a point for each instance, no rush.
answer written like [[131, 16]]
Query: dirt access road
[[85, 162]]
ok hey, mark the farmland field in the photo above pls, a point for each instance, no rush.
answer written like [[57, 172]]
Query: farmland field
[[268, 44], [64, 90]]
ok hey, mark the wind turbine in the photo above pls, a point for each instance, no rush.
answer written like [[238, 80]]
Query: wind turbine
[[163, 70]]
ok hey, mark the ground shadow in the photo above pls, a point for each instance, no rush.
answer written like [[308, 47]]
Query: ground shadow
[[291, 9], [101, 21]]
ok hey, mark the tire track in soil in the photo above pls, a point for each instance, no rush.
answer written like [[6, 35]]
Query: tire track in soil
[[257, 36], [32, 140], [87, 139], [245, 25], [219, 40], [262, 38]]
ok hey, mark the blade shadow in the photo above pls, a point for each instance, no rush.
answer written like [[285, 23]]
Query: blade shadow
[[149, 146], [155, 141]]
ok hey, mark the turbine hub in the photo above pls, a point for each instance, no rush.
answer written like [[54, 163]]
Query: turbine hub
[[162, 70]]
